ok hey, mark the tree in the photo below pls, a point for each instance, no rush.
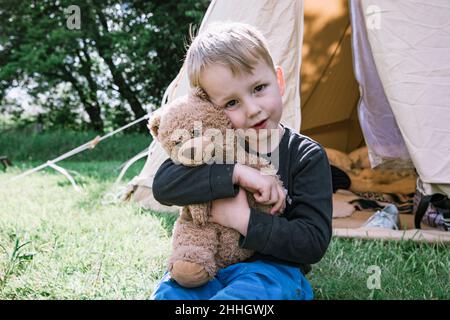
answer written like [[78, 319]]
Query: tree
[[123, 56]]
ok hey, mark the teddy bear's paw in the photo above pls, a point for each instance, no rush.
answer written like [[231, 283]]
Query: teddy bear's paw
[[189, 274]]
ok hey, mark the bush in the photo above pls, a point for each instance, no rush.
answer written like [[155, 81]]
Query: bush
[[27, 145]]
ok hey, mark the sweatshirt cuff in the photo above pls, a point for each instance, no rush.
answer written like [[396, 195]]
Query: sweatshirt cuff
[[258, 231], [221, 181]]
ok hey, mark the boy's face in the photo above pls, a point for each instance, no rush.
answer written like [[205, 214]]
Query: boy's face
[[250, 100]]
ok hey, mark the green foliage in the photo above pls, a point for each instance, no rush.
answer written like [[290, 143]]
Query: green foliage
[[25, 145], [112, 69]]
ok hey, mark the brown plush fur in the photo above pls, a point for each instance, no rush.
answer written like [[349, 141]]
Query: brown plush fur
[[200, 247]]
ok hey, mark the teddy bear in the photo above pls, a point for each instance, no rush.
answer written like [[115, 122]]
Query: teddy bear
[[194, 131]]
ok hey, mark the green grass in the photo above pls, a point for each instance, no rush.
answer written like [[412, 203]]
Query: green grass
[[74, 245], [56, 243], [408, 270], [28, 146]]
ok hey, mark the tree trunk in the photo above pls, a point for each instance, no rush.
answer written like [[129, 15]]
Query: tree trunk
[[124, 89], [90, 105]]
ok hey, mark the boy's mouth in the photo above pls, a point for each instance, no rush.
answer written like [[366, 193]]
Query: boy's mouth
[[260, 125]]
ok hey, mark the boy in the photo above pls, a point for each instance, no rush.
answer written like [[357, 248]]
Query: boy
[[232, 64]]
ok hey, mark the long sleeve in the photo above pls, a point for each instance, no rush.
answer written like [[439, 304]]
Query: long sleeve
[[180, 185], [302, 234]]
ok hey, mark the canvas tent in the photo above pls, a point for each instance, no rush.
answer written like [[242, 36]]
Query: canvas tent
[[273, 18], [329, 91], [375, 67]]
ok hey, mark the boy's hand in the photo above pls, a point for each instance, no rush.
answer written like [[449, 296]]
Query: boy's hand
[[265, 188], [232, 212]]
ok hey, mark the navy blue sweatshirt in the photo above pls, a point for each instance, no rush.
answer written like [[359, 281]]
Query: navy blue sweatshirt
[[298, 237]]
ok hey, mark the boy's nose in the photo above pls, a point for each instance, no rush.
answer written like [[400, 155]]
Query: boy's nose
[[252, 108]]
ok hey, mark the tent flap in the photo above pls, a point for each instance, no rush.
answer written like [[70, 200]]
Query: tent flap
[[382, 135], [411, 49]]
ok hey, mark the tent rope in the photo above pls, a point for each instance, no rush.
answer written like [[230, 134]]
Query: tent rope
[[116, 192], [128, 164], [88, 145], [114, 196], [66, 174]]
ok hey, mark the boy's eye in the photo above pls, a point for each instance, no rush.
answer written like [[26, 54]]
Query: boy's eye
[[260, 87], [231, 104]]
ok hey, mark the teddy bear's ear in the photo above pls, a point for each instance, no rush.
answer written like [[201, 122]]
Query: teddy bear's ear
[[200, 93], [153, 124]]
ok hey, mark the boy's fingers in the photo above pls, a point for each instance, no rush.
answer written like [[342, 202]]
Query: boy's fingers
[[273, 200], [264, 197], [282, 199], [273, 197], [279, 204], [283, 207]]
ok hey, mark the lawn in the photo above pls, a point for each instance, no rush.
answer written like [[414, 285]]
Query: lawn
[[56, 243]]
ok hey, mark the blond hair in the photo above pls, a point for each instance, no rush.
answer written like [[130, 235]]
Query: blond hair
[[237, 46]]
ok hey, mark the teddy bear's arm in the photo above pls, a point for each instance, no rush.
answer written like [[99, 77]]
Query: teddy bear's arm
[[200, 213]]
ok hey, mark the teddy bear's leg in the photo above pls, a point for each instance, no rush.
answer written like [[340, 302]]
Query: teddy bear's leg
[[228, 251], [192, 262], [199, 213]]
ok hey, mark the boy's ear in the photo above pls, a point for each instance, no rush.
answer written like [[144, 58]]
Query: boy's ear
[[153, 124], [280, 80]]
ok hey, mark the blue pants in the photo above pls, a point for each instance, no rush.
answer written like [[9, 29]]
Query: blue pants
[[258, 280]]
